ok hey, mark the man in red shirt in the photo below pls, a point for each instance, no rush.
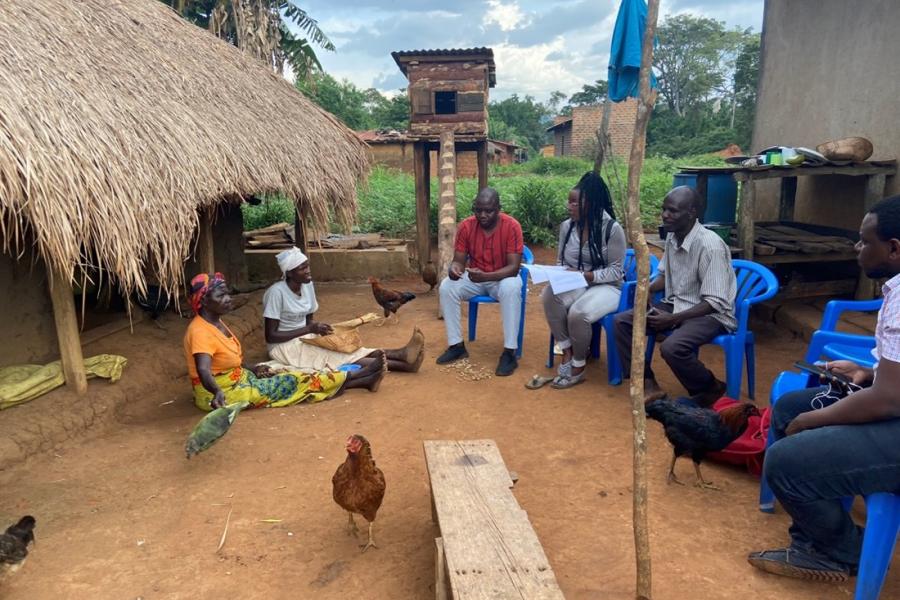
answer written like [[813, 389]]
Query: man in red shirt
[[486, 262]]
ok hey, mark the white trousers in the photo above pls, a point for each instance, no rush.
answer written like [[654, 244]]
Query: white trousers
[[508, 292]]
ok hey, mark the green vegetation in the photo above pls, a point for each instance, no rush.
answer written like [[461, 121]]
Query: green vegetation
[[534, 193]]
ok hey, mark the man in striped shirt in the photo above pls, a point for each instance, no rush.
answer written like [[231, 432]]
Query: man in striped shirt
[[699, 284]]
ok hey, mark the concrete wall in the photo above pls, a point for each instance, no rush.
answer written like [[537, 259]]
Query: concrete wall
[[397, 155], [29, 334], [336, 265], [829, 70]]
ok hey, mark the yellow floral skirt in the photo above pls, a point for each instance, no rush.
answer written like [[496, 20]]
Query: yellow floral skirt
[[284, 389]]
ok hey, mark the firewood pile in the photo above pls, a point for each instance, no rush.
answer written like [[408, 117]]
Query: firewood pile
[[281, 235], [779, 239]]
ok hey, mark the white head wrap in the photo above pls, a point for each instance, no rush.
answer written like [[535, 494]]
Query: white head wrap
[[290, 259]]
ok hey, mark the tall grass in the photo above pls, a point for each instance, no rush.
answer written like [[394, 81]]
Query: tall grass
[[534, 193]]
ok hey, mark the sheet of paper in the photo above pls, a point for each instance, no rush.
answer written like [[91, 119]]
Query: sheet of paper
[[561, 280], [565, 281]]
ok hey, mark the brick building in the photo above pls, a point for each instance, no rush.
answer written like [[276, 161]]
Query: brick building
[[576, 135]]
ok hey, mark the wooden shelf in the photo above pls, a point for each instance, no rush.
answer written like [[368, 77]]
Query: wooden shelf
[[797, 257]]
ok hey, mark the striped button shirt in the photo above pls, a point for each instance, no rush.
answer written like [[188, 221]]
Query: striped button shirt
[[887, 331], [700, 270]]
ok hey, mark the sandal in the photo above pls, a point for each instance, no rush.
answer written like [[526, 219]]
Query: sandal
[[565, 369], [560, 383], [538, 382]]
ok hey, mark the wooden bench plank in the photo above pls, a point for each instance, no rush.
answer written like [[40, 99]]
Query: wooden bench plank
[[490, 547]]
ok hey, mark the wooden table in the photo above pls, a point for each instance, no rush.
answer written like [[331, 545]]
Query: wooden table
[[875, 172]]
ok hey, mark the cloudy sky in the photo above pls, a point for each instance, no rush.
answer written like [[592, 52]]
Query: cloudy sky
[[539, 45]]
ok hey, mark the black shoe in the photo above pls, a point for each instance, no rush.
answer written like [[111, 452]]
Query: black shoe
[[452, 354], [507, 364], [800, 564]]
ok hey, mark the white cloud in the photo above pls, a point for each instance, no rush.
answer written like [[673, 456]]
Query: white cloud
[[506, 16], [530, 70]]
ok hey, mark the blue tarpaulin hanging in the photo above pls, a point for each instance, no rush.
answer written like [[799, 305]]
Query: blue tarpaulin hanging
[[625, 54]]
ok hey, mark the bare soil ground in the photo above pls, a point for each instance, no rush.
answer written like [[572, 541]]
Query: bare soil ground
[[121, 514]]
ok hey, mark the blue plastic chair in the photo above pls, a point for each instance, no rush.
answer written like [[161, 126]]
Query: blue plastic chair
[[835, 345], [528, 259], [824, 343], [626, 301], [755, 284], [882, 528]]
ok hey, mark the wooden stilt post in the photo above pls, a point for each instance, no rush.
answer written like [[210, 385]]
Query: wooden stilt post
[[447, 206], [639, 341], [482, 165], [67, 330], [422, 167], [865, 287], [205, 248]]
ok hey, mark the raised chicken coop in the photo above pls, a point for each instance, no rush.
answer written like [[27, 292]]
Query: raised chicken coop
[[448, 92]]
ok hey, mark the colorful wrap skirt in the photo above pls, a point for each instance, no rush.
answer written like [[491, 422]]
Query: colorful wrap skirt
[[284, 389]]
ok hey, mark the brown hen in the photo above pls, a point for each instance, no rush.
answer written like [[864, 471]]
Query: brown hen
[[429, 276], [389, 300], [358, 486]]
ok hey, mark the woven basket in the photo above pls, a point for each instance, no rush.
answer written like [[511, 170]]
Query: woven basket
[[345, 337], [342, 340]]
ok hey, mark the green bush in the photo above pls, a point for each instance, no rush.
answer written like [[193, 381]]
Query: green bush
[[534, 193], [270, 211]]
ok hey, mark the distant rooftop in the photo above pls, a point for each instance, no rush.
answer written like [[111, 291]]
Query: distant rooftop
[[404, 57]]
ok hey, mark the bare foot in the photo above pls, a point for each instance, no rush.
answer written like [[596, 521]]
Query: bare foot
[[414, 346]]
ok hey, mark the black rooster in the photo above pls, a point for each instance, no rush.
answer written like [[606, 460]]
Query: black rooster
[[14, 544], [693, 431]]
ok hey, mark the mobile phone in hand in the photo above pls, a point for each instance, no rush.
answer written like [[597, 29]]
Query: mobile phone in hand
[[821, 372]]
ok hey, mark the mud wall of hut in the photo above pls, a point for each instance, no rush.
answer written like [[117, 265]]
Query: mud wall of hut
[[26, 313]]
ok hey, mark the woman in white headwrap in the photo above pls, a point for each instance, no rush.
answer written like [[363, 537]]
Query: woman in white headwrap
[[288, 309]]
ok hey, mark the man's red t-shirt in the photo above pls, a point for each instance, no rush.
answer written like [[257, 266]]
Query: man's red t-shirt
[[488, 252]]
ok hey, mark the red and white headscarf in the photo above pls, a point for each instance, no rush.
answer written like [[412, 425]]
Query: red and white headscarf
[[201, 285]]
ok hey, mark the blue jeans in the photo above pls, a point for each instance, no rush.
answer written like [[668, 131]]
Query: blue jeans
[[811, 471]]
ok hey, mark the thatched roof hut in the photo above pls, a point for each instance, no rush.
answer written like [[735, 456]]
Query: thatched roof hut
[[118, 120]]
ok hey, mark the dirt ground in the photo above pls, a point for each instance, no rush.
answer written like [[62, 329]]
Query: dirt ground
[[122, 515]]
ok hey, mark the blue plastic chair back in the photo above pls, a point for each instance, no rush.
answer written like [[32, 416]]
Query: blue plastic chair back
[[755, 284]]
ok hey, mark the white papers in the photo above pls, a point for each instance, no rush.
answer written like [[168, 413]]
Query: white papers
[[561, 280]]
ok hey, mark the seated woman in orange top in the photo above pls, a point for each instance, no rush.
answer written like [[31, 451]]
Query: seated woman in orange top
[[219, 377]]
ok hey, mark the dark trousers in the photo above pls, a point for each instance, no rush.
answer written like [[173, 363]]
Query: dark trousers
[[680, 349], [811, 471]]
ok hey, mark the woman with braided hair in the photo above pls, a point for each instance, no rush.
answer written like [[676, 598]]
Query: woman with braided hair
[[592, 242]]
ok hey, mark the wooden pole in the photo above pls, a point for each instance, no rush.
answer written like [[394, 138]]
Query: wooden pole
[[447, 203], [603, 136], [482, 165], [422, 168], [746, 227], [300, 230], [205, 247], [67, 333], [639, 340], [865, 287]]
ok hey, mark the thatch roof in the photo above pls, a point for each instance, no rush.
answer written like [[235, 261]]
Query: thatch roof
[[118, 119]]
